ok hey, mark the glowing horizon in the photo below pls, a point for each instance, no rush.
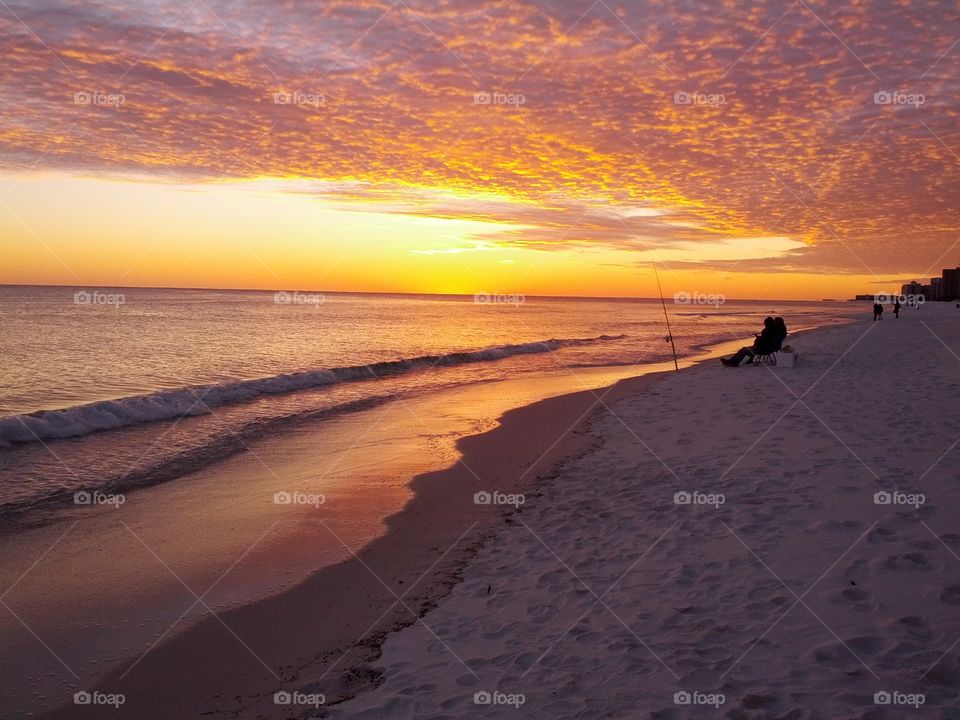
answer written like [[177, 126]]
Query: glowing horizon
[[759, 150]]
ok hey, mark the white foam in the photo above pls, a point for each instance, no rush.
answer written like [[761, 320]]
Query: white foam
[[199, 399]]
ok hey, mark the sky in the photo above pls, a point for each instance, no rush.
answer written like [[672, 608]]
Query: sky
[[748, 147]]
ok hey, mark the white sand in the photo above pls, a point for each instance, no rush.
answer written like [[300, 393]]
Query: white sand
[[799, 597]]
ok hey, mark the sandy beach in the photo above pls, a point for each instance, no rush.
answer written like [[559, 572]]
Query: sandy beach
[[750, 542]]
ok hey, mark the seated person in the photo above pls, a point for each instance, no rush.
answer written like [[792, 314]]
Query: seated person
[[781, 334], [764, 344]]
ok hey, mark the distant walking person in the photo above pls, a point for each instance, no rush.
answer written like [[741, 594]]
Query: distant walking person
[[896, 308], [877, 311]]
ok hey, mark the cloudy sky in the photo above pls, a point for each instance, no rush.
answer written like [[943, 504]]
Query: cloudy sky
[[759, 146]]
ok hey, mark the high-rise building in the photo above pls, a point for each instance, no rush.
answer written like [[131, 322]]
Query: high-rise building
[[950, 285], [936, 289]]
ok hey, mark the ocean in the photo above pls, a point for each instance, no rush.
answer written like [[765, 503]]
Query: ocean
[[112, 389]]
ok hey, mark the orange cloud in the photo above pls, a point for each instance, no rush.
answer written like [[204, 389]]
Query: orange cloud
[[834, 127]]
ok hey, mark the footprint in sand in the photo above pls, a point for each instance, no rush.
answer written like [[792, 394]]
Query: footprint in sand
[[917, 627], [908, 561], [757, 701], [856, 569], [945, 673], [764, 591], [715, 654], [848, 489], [833, 526], [866, 644], [466, 680], [951, 594], [881, 535], [778, 602], [834, 655], [859, 598]]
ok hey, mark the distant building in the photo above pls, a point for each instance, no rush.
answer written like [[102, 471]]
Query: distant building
[[946, 287], [912, 288], [950, 284]]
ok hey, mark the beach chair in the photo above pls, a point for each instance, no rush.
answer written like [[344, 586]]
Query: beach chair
[[769, 357]]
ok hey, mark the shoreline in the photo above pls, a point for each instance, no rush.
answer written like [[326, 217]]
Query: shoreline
[[427, 544]]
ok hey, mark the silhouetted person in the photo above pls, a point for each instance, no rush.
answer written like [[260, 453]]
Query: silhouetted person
[[781, 333], [764, 344], [877, 311], [896, 308]]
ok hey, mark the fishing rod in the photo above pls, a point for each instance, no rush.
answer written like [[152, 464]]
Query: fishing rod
[[666, 317]]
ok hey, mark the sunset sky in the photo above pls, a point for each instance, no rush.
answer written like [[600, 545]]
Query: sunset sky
[[759, 149]]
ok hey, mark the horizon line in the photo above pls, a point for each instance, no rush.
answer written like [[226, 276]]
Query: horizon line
[[410, 294]]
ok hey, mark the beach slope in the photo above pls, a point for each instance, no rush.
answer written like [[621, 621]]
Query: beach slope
[[753, 542], [316, 641]]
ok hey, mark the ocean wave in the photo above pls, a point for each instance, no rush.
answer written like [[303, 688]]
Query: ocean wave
[[200, 399], [38, 507]]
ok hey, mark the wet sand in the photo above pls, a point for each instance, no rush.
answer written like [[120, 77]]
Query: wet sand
[[320, 635]]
